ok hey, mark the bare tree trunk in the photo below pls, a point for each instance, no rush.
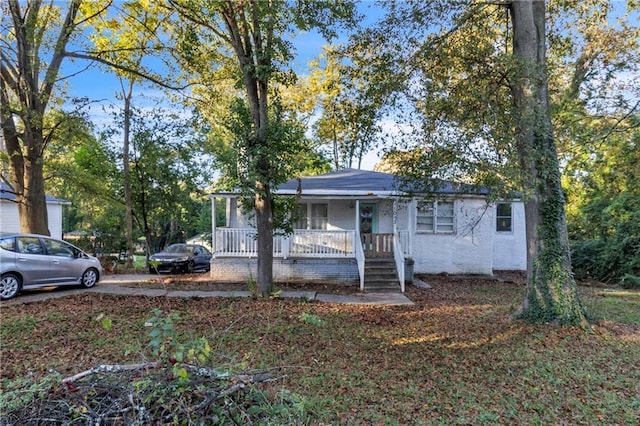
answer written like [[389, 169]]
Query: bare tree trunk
[[264, 224], [551, 289], [126, 169]]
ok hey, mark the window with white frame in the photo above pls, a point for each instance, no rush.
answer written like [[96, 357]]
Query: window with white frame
[[504, 217], [311, 216], [435, 216]]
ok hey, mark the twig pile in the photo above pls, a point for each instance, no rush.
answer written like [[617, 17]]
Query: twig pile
[[148, 393]]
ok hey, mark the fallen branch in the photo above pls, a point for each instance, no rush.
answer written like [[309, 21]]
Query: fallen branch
[[104, 368]]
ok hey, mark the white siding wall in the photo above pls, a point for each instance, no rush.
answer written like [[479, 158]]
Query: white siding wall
[[510, 248], [10, 220], [54, 213], [467, 251]]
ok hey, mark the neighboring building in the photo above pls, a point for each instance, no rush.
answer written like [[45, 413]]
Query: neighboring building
[[202, 239], [355, 225], [10, 219]]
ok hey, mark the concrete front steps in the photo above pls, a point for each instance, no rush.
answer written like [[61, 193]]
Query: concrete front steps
[[380, 275]]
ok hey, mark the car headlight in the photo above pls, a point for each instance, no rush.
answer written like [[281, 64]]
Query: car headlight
[[182, 259]]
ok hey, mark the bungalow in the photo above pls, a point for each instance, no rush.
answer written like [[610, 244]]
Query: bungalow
[[10, 219], [357, 226]]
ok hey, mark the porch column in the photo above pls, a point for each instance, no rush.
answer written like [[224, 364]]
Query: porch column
[[213, 226], [395, 216], [358, 216], [411, 211]]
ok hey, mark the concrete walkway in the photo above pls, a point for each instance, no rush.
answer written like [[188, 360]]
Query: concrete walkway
[[113, 284]]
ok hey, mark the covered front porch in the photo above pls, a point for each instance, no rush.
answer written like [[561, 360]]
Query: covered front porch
[[359, 238]]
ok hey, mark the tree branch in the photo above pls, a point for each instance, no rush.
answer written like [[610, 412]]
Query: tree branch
[[126, 69]]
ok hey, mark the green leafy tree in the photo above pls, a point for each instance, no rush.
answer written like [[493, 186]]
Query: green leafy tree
[[34, 38], [349, 104], [169, 168], [126, 37], [78, 168], [484, 102], [596, 116], [247, 41]]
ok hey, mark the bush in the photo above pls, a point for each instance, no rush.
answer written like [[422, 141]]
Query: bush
[[630, 282], [608, 261]]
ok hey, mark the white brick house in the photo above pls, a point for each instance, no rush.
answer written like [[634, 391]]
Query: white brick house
[[10, 219], [351, 222]]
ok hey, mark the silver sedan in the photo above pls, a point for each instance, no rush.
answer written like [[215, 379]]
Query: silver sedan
[[30, 261]]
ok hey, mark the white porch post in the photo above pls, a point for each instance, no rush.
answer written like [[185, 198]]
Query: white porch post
[[395, 216], [213, 226], [358, 216], [411, 211]]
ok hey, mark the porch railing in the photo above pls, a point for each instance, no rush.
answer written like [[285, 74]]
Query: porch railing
[[235, 242], [398, 257]]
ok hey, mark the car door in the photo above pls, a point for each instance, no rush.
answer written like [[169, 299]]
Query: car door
[[64, 266], [32, 261], [202, 256]]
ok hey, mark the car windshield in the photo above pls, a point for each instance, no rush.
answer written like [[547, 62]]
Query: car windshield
[[178, 248]]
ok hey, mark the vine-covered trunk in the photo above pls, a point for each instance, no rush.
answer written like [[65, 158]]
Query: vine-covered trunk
[[551, 289]]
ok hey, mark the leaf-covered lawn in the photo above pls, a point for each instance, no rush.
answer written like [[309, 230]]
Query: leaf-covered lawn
[[454, 357]]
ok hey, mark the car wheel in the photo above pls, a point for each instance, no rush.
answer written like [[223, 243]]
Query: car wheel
[[9, 286], [89, 278], [190, 267]]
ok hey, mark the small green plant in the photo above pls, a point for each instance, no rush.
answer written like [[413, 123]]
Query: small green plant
[[311, 319], [165, 346], [104, 321]]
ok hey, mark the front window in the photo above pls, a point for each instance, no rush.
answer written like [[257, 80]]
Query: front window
[[435, 216], [503, 217], [58, 248], [311, 216]]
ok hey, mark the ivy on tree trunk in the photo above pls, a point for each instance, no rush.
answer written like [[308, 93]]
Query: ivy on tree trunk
[[551, 289]]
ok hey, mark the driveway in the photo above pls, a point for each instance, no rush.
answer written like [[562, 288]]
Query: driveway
[[113, 284]]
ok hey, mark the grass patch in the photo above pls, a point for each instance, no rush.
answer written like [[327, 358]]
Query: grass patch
[[455, 357], [612, 304]]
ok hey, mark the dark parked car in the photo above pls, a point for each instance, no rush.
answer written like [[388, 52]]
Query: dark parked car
[[31, 261], [181, 258]]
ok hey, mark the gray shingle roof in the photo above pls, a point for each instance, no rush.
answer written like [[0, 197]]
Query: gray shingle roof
[[365, 182], [6, 193]]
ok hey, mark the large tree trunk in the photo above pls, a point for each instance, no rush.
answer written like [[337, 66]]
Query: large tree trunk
[[26, 173], [264, 224], [24, 100], [551, 289], [31, 199]]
